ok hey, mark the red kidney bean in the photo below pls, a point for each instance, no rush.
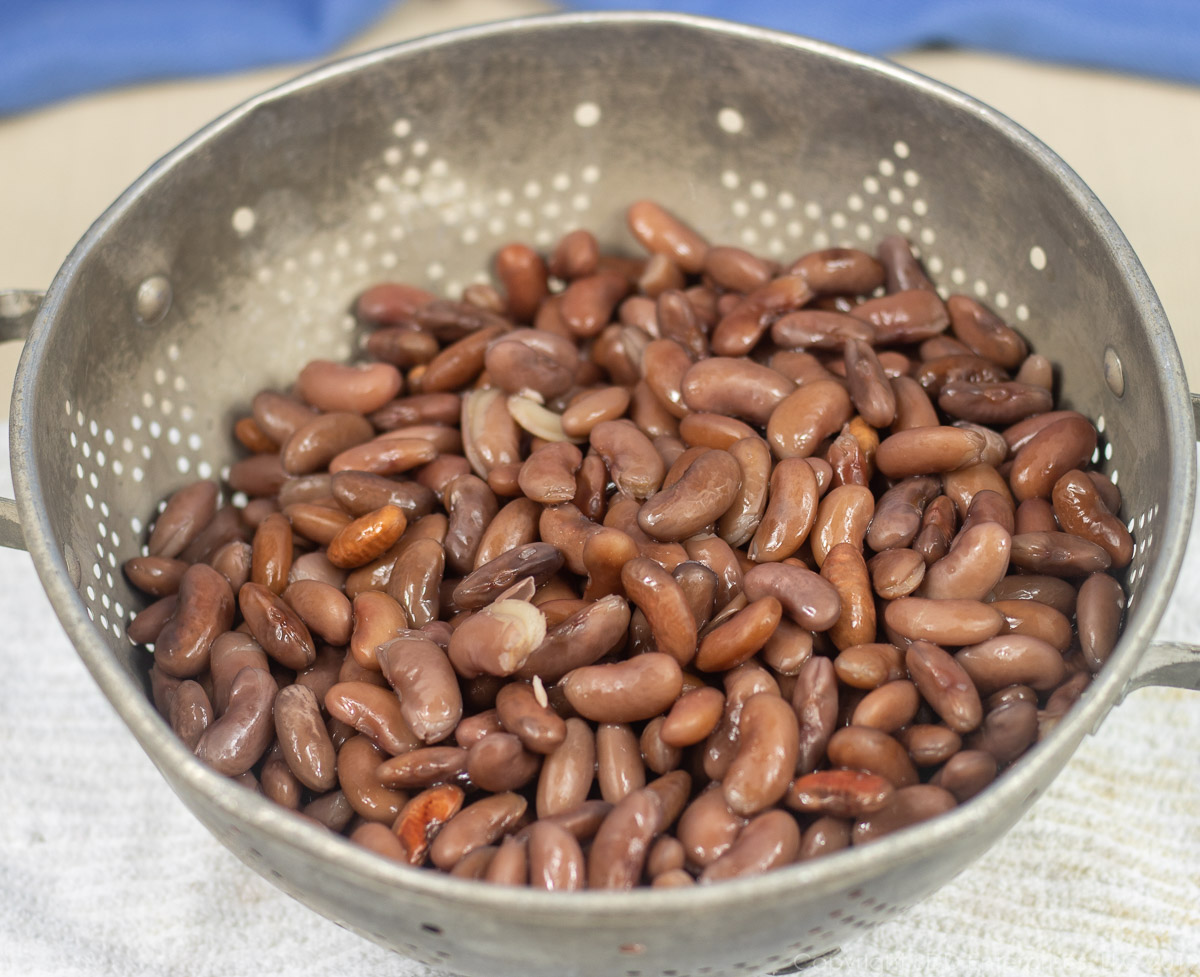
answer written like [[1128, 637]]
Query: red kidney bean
[[330, 386], [1048, 453], [158, 576], [1099, 610], [870, 390], [1058, 554], [819, 329], [868, 666], [707, 488], [204, 609], [770, 840], [910, 805], [1011, 659], [790, 513], [475, 826], [804, 418], [741, 327], [840, 793], [424, 767], [191, 713], [619, 850], [766, 757], [977, 561], [1007, 731], [945, 685], [929, 450], [966, 773], [904, 317], [374, 712], [896, 572], [1081, 511], [623, 692], [943, 622], [661, 232], [556, 860], [583, 638], [815, 702], [619, 766], [872, 750], [304, 742], [808, 599], [421, 674], [929, 745], [1034, 618], [889, 708], [845, 568], [823, 837], [185, 516], [666, 608], [237, 740], [735, 387], [984, 332]]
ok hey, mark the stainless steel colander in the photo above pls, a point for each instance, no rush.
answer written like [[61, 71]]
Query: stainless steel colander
[[234, 260]]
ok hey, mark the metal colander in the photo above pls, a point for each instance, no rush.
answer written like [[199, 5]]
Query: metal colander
[[235, 259]]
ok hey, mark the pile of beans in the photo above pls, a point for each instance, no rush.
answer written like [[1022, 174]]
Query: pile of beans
[[641, 571]]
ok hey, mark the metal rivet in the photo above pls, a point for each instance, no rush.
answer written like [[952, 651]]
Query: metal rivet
[[73, 569], [153, 300], [1114, 372]]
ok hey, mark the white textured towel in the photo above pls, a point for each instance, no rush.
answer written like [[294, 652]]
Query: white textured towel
[[104, 872]]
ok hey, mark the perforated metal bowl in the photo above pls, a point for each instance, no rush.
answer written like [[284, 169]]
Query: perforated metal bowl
[[234, 260]]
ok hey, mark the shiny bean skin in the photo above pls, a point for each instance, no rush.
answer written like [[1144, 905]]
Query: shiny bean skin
[[1012, 659], [374, 712], [158, 576], [204, 610], [929, 450], [191, 713], [845, 568], [943, 622], [896, 572], [478, 824], [624, 692], [740, 637], [592, 408], [540, 729], [567, 773], [361, 389], [966, 773], [1036, 619], [804, 418], [1099, 610], [840, 793], [583, 638], [556, 860], [768, 841], [843, 516], [945, 685], [708, 828], [633, 463], [735, 387], [1054, 591], [323, 608], [1058, 554], [692, 717], [889, 708], [872, 750], [1081, 512], [662, 600], [768, 748], [735, 269], [790, 513], [424, 767], [823, 837], [977, 561], [819, 329], [904, 317], [619, 768], [707, 488], [237, 740], [869, 666], [430, 699], [870, 390], [500, 762], [929, 745], [618, 853], [993, 403], [810, 600], [985, 333], [897, 517], [1053, 450], [744, 320], [471, 506], [186, 515], [304, 742], [276, 627], [910, 805], [1007, 731], [661, 232]]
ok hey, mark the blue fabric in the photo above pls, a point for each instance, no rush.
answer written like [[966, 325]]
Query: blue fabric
[[52, 49]]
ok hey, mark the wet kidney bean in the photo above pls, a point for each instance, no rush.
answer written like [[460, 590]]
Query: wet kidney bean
[[568, 529]]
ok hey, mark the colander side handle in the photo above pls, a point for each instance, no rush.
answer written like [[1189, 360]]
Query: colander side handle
[[1170, 663], [18, 308]]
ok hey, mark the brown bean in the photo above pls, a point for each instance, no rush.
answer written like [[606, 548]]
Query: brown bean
[[944, 622], [804, 418], [540, 729], [741, 327], [902, 269], [204, 610], [374, 712], [184, 517], [897, 517], [279, 629], [708, 828], [278, 783], [567, 772], [498, 639], [945, 685], [587, 304], [158, 576], [929, 745], [421, 674], [707, 488], [872, 750], [738, 388], [619, 766], [499, 762], [633, 464], [627, 691], [1054, 591], [984, 332], [909, 806], [476, 826], [523, 275], [870, 390], [1048, 453], [823, 837], [935, 373], [585, 637], [661, 598], [977, 561], [1011, 659], [190, 712], [808, 599], [423, 767], [593, 407], [313, 445], [618, 853], [869, 666], [842, 517], [1036, 619], [1007, 731], [661, 232], [896, 573], [929, 450], [1098, 614], [693, 716], [845, 568], [966, 773], [304, 742], [659, 757], [323, 608], [840, 793], [1081, 511], [790, 513], [740, 636], [904, 317], [736, 270], [768, 841], [1058, 554], [237, 740], [819, 329], [556, 860], [889, 708], [360, 389], [993, 403], [768, 747]]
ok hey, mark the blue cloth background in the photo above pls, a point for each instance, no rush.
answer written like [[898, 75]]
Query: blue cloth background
[[52, 49]]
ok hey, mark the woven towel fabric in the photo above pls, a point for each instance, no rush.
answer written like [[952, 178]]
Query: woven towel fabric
[[52, 49]]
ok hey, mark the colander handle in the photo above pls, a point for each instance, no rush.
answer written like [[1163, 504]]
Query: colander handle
[[18, 308]]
